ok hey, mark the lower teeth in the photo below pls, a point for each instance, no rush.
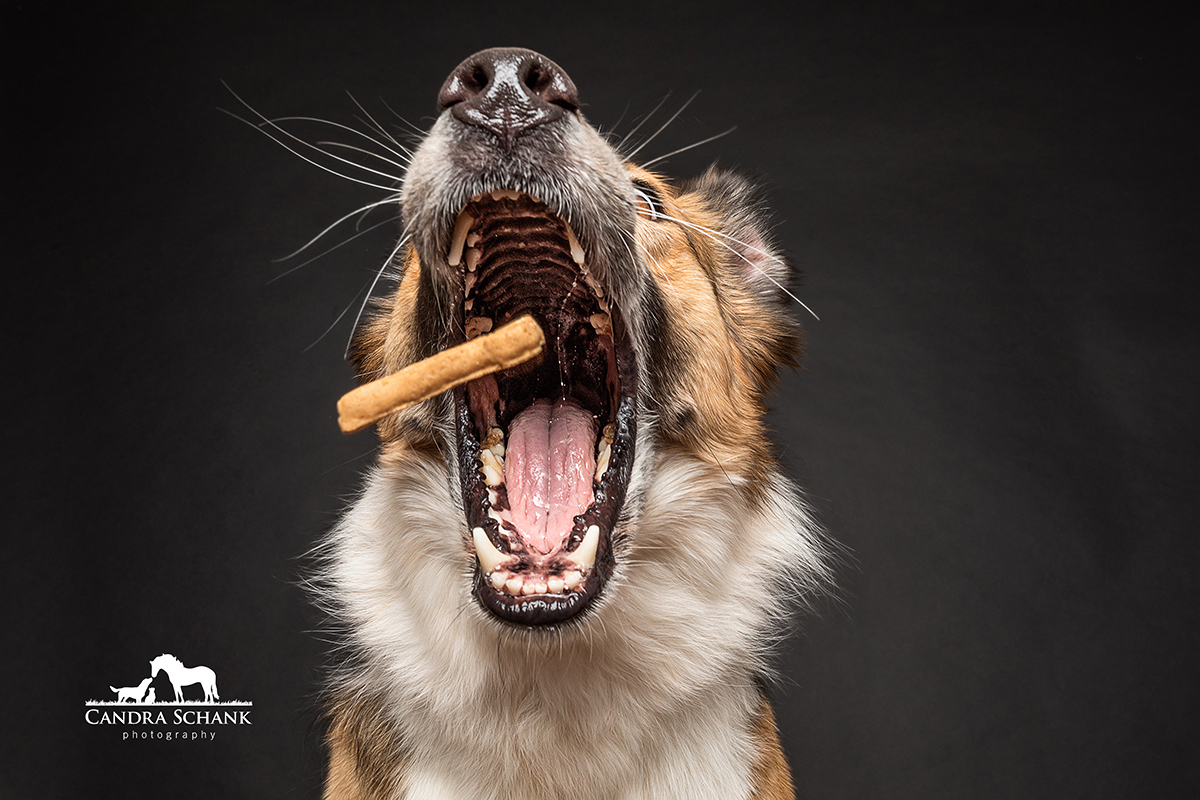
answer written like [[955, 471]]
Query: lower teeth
[[519, 586]]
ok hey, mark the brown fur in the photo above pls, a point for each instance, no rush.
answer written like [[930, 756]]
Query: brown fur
[[366, 761], [366, 758], [772, 778]]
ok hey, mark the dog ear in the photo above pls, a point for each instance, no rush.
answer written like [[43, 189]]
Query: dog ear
[[755, 296], [743, 230]]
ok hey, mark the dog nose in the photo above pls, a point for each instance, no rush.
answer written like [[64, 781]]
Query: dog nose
[[508, 91]]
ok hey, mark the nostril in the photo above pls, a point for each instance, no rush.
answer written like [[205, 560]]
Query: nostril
[[508, 91], [535, 79], [550, 85], [479, 79]]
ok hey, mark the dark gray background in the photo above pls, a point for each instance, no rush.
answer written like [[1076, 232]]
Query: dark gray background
[[995, 215]]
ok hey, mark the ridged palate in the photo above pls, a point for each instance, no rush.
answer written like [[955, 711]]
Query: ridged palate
[[525, 265]]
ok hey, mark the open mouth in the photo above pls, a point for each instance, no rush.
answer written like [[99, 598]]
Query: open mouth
[[545, 448]]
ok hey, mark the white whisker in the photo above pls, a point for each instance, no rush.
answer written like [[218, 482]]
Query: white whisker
[[418, 131], [366, 152], [303, 157], [368, 207], [627, 237], [335, 322], [353, 328], [647, 164], [653, 111], [324, 253], [383, 131], [403, 153], [664, 126], [283, 131], [370, 288], [713, 234]]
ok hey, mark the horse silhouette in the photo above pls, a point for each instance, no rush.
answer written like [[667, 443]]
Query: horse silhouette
[[181, 676]]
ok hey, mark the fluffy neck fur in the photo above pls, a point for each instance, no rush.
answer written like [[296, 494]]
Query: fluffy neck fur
[[649, 697]]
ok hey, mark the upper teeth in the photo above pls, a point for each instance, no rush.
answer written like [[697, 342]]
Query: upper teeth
[[576, 249], [459, 240]]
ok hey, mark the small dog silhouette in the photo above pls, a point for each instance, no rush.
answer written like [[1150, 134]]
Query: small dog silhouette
[[133, 694], [149, 696]]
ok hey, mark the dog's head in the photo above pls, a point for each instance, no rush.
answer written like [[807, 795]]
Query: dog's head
[[665, 319]]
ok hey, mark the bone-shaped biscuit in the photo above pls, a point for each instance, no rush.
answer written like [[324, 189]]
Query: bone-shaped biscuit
[[513, 343]]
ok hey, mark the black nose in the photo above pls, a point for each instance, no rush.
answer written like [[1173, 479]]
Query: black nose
[[508, 90]]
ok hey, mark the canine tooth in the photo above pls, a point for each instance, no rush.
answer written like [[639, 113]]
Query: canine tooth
[[576, 249], [461, 226], [489, 556], [585, 555], [571, 579], [514, 584], [556, 585], [508, 194], [498, 579]]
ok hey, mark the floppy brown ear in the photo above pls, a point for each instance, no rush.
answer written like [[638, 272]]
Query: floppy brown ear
[[753, 290], [744, 230]]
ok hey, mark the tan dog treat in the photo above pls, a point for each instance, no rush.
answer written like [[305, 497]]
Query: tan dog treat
[[509, 345]]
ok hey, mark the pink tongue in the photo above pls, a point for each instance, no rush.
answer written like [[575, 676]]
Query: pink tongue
[[548, 467]]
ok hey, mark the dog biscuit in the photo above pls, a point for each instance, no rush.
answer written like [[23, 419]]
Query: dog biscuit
[[513, 343]]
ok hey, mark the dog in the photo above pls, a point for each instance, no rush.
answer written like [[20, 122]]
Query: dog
[[133, 694], [564, 579]]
